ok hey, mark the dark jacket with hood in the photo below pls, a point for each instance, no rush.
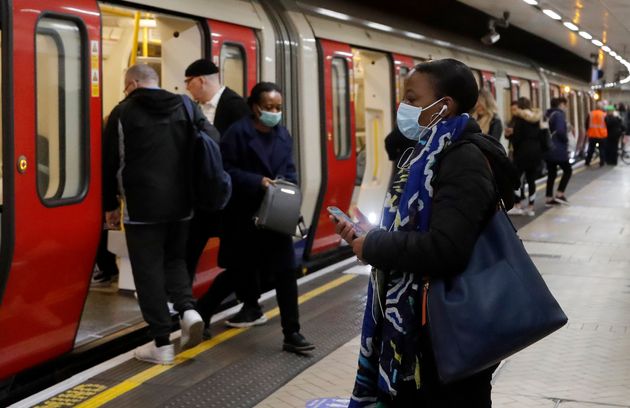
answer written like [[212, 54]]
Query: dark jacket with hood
[[464, 200], [148, 164], [559, 136], [526, 139]]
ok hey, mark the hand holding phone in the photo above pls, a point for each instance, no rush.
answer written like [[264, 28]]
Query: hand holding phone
[[340, 215]]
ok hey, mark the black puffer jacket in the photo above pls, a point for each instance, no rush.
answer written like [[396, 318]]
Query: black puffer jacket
[[155, 169], [465, 198]]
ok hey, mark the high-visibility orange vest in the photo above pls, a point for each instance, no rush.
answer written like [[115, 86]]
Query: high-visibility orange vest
[[597, 125]]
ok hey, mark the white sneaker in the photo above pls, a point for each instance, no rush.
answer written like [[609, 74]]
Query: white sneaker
[[156, 355], [192, 329], [529, 212], [171, 308], [515, 211]]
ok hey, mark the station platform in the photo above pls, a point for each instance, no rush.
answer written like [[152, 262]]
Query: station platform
[[581, 250]]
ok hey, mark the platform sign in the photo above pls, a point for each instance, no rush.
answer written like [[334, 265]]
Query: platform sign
[[328, 403]]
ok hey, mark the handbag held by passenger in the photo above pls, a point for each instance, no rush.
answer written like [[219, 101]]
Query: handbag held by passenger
[[499, 305], [280, 208]]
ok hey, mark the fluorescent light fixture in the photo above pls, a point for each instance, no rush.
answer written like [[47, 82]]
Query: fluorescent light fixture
[[585, 35], [415, 36], [612, 53], [571, 26], [618, 58], [531, 2], [552, 14], [378, 26], [148, 23], [333, 14], [606, 48], [597, 43]]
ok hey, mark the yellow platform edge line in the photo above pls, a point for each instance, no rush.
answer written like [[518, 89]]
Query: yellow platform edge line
[[143, 376]]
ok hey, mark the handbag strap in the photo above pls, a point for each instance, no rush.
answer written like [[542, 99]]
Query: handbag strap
[[500, 203]]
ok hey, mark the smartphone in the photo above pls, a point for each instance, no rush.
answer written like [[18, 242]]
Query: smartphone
[[340, 215]]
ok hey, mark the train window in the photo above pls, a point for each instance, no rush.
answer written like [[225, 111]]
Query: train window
[[232, 63], [525, 89], [61, 135], [340, 103], [402, 76]]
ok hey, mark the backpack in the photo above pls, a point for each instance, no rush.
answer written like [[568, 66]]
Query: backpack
[[546, 135], [212, 185]]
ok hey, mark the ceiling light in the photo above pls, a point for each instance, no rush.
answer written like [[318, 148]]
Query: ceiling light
[[415, 36], [618, 58], [612, 53], [531, 2], [585, 35], [571, 26], [597, 43], [606, 48], [333, 14], [552, 14], [378, 26], [148, 23]]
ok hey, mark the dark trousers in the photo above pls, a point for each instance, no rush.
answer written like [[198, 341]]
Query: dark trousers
[[157, 254], [203, 226], [612, 149], [472, 392], [284, 281], [591, 149], [105, 260], [529, 178], [552, 172]]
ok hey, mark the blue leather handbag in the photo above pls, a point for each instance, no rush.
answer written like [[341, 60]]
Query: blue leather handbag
[[497, 306]]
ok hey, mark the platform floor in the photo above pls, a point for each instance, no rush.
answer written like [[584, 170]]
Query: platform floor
[[582, 251]]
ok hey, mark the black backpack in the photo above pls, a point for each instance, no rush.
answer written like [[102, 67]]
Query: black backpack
[[212, 185]]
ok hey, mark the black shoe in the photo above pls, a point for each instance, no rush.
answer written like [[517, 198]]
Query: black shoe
[[296, 343], [207, 334], [247, 317], [100, 280]]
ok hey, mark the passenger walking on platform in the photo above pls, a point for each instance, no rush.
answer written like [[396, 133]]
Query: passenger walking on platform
[[559, 155], [528, 153], [597, 134], [222, 107], [437, 207], [256, 151], [146, 163], [486, 114], [615, 129]]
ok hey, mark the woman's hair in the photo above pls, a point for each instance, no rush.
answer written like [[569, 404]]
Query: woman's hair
[[524, 103], [259, 89], [452, 78], [488, 102]]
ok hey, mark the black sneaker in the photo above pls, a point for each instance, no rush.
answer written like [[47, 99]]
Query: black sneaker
[[562, 200], [296, 343], [207, 334], [551, 202], [247, 317], [100, 280]]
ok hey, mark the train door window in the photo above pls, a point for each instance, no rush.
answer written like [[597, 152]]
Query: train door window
[[525, 89], [166, 43], [507, 104], [233, 68], [402, 76], [61, 134], [340, 103], [535, 94]]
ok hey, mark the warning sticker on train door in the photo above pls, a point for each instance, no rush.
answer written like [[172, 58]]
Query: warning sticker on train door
[[94, 69]]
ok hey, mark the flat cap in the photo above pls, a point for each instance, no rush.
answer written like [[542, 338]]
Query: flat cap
[[201, 67]]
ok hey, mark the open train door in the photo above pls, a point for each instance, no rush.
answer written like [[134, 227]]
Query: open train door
[[51, 164], [338, 141]]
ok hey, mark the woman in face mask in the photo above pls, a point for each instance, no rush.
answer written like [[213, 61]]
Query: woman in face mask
[[443, 195], [256, 151]]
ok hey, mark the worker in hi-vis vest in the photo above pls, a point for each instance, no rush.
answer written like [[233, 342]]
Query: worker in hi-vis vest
[[597, 134]]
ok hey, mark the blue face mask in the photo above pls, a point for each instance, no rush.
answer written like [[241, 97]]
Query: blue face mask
[[407, 120], [270, 119]]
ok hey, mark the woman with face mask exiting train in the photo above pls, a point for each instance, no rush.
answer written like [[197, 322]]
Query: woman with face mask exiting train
[[256, 151], [442, 197]]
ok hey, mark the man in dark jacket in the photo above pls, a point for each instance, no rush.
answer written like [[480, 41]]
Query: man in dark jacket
[[614, 125], [559, 155], [147, 145], [222, 107]]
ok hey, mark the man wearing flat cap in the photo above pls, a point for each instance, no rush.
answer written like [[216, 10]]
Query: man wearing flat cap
[[221, 105]]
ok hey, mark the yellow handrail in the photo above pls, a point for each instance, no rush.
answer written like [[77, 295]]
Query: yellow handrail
[[134, 46], [116, 11], [145, 42]]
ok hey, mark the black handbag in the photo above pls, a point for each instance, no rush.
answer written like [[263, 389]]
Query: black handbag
[[279, 210], [497, 306]]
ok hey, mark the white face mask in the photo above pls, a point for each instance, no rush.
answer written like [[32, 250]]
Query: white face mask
[[407, 120]]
